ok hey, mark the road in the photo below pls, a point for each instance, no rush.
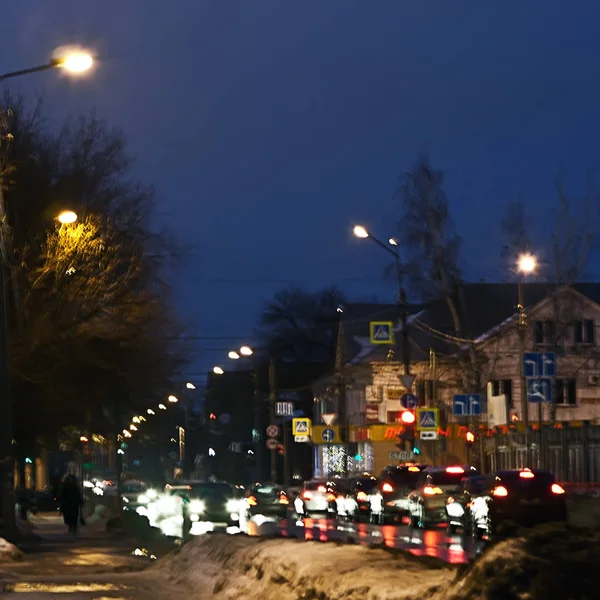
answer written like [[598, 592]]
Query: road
[[90, 566]]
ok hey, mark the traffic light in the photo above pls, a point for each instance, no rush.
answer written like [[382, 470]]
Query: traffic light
[[408, 417], [469, 439], [407, 436]]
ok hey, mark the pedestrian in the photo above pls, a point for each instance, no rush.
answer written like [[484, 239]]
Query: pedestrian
[[70, 500]]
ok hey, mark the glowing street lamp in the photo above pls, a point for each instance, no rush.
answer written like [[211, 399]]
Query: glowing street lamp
[[67, 217], [173, 399], [190, 386], [246, 351], [218, 371], [75, 62], [150, 412], [360, 232], [233, 355], [162, 407], [527, 264]]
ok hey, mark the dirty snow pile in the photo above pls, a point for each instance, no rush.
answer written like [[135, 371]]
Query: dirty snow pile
[[549, 562], [221, 566], [9, 552]]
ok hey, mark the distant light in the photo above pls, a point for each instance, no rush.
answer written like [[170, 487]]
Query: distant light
[[173, 399], [150, 412], [360, 232], [76, 62], [233, 355], [250, 452], [136, 419], [190, 386], [119, 451], [162, 407], [246, 351], [407, 417], [133, 427], [392, 242], [218, 370], [211, 452], [83, 439], [29, 461], [66, 217], [527, 263]]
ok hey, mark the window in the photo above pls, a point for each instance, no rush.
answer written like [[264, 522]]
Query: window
[[503, 386], [543, 332], [584, 331], [565, 391]]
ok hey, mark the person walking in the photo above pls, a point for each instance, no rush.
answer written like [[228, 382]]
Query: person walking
[[70, 500]]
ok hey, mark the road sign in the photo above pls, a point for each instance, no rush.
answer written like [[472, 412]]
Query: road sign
[[302, 438], [272, 444], [401, 455], [539, 364], [428, 435], [284, 409], [272, 431], [381, 332], [409, 401], [428, 419], [407, 381], [301, 426], [328, 418], [539, 390], [466, 405], [328, 435]]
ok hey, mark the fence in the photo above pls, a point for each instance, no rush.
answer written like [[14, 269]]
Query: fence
[[572, 454]]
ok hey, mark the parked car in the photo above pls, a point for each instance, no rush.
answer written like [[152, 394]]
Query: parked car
[[427, 502], [523, 496], [390, 499], [317, 496], [458, 505]]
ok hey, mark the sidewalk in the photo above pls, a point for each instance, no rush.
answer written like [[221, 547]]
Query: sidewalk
[[91, 564]]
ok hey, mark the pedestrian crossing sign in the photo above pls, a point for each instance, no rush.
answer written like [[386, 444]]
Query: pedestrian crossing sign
[[301, 426], [428, 419], [381, 332]]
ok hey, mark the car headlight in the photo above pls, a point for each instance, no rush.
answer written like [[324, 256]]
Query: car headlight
[[232, 506], [196, 506], [143, 499], [152, 494]]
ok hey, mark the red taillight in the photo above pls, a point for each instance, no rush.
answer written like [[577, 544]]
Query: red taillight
[[330, 497], [252, 501], [500, 492], [322, 489], [361, 497], [454, 470], [387, 487], [526, 474], [283, 500], [429, 490], [307, 495], [556, 489]]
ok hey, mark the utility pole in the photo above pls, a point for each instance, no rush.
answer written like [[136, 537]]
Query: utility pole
[[522, 325], [272, 400], [403, 313], [340, 368], [259, 443]]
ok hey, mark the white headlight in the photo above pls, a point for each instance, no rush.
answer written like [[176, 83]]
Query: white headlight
[[152, 494], [196, 506], [232, 505], [143, 499]]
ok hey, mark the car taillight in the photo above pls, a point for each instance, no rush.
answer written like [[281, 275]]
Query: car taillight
[[307, 495], [252, 501], [361, 497], [429, 490], [454, 470], [556, 489], [283, 500], [500, 492], [322, 489], [526, 474], [387, 487], [330, 497]]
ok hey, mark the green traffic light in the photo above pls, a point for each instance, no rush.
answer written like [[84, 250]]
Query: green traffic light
[[357, 457], [416, 450]]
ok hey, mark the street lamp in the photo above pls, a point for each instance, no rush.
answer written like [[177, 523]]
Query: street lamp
[[190, 386], [66, 217], [233, 355], [360, 232], [73, 61], [246, 351], [173, 399], [218, 371], [526, 265]]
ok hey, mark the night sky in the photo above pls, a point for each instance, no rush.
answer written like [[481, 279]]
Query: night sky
[[270, 127]]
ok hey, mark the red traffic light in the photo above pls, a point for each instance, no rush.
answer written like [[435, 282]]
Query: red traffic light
[[408, 417], [470, 437]]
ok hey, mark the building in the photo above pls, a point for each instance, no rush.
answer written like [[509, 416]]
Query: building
[[470, 346]]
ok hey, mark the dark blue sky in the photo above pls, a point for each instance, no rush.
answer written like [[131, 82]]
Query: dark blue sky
[[268, 128]]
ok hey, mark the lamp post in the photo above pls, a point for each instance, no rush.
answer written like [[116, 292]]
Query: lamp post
[[73, 63], [361, 232], [526, 265]]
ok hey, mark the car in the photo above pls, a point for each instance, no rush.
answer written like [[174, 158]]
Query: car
[[458, 505], [131, 491], [317, 496], [209, 502], [395, 482], [354, 496], [266, 500], [522, 496], [427, 502]]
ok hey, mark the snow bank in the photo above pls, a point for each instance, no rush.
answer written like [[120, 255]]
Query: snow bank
[[221, 566], [8, 552]]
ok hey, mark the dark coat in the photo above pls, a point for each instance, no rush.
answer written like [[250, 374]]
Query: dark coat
[[70, 501]]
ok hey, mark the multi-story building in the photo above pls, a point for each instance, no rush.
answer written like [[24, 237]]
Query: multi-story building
[[471, 346]]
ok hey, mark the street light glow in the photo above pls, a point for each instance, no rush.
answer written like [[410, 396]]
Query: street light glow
[[150, 412], [527, 263], [218, 371], [172, 398], [75, 61], [360, 232], [246, 351], [233, 355], [66, 217], [162, 407], [393, 242], [190, 386]]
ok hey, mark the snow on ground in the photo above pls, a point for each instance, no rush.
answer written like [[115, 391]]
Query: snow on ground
[[8, 552], [222, 566]]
